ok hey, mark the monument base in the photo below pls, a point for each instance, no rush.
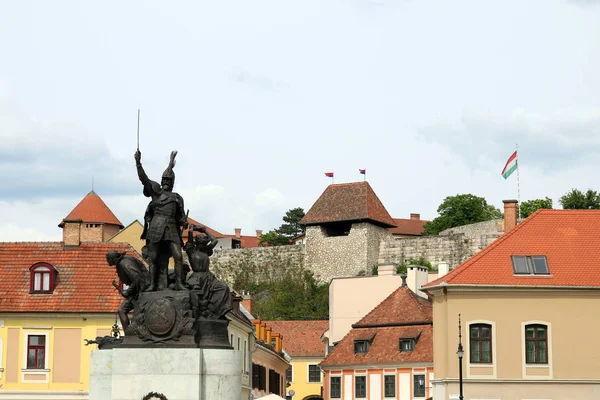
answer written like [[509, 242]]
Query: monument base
[[176, 374]]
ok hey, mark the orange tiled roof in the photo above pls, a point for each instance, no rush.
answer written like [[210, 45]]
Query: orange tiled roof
[[92, 209], [570, 240], [245, 241], [301, 338], [191, 221], [402, 314], [354, 201], [413, 227], [83, 282]]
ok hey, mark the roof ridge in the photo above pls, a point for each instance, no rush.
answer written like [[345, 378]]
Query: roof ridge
[[462, 267]]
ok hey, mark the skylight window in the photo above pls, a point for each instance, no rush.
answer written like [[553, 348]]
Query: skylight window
[[530, 265]]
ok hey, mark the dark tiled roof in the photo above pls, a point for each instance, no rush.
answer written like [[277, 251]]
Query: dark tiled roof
[[92, 209], [348, 202], [402, 314], [411, 227], [301, 338], [570, 240], [83, 283]]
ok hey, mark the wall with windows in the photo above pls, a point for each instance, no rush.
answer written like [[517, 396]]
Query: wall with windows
[[403, 383], [47, 354], [520, 335], [306, 377]]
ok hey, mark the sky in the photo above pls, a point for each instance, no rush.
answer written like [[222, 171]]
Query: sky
[[261, 98]]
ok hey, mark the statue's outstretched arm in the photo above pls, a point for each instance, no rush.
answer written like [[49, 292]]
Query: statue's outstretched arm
[[140, 170]]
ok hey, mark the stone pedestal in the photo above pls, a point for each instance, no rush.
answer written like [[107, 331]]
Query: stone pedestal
[[178, 374]]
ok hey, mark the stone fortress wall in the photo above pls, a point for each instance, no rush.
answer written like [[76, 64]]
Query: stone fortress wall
[[329, 257]]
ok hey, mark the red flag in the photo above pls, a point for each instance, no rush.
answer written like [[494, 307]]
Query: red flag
[[329, 174], [362, 171]]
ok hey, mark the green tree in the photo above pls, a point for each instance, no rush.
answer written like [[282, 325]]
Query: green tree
[[461, 209], [530, 206], [577, 200], [401, 267], [291, 227], [273, 239]]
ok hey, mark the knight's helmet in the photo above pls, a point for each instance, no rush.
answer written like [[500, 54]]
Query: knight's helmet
[[169, 174]]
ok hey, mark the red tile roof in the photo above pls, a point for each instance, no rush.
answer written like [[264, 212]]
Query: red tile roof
[[412, 227], [83, 282], [301, 338], [92, 209], [570, 240], [245, 241], [191, 221], [348, 202], [402, 314]]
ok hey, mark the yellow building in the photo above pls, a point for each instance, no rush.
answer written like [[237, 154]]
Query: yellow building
[[53, 296], [521, 301], [302, 342]]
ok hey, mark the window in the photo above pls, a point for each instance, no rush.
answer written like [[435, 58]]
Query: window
[[530, 265], [259, 377], [36, 352], [418, 385], [536, 344], [332, 229], [41, 278], [274, 381], [389, 386], [314, 373], [245, 367], [360, 387], [336, 387], [481, 343], [407, 344], [361, 346], [289, 374]]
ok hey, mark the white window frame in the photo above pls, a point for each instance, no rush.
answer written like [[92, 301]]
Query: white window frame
[[308, 373], [337, 375], [424, 373], [366, 376], [468, 351], [44, 372], [292, 367], [549, 349], [395, 385]]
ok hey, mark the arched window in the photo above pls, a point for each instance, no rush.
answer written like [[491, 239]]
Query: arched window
[[42, 278]]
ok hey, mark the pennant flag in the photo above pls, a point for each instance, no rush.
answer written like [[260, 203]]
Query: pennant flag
[[329, 174], [362, 171], [511, 165]]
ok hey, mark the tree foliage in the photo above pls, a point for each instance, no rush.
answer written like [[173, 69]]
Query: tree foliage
[[401, 267], [530, 206], [577, 200], [461, 209], [272, 238], [291, 227]]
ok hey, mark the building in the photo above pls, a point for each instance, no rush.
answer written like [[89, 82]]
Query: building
[[305, 349], [269, 364], [52, 297], [386, 354], [344, 229], [522, 301], [408, 228], [242, 339]]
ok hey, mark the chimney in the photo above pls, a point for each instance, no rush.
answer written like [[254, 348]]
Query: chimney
[[238, 232], [415, 216], [258, 233], [443, 269], [417, 277], [510, 214], [247, 301], [386, 268], [72, 232], [403, 276]]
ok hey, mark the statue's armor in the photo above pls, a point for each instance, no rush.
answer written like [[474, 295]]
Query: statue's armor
[[163, 225]]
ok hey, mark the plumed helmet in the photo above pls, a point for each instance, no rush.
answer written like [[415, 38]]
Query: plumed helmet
[[169, 174]]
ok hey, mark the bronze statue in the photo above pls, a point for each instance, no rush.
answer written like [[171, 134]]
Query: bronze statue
[[163, 222], [214, 297], [133, 273]]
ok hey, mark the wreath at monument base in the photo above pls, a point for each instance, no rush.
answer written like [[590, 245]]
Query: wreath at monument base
[[154, 395]]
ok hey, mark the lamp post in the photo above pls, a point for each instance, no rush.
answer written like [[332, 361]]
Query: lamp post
[[460, 353]]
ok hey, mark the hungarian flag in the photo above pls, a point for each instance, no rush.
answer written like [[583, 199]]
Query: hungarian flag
[[511, 165], [329, 174], [362, 171]]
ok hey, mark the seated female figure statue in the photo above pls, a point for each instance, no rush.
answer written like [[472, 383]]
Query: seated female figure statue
[[214, 296]]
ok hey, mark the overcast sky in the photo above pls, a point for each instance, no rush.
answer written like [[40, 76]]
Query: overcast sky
[[262, 97]]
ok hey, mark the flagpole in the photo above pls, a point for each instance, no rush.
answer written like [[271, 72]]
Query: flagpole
[[518, 185]]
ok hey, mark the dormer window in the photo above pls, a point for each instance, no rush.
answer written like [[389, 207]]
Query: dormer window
[[42, 278], [530, 265], [362, 344], [408, 341]]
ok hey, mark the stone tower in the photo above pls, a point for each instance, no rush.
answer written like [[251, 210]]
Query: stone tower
[[343, 230], [91, 221]]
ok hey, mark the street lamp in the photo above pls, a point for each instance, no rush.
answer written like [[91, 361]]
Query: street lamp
[[460, 353]]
